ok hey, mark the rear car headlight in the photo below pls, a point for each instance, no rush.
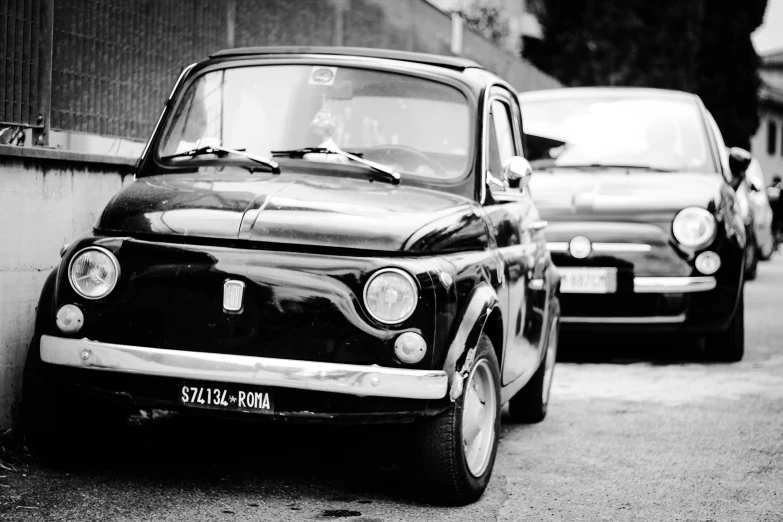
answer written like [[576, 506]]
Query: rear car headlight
[[391, 296], [694, 227], [93, 272]]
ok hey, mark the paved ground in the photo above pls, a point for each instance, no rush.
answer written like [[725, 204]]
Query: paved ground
[[636, 431]]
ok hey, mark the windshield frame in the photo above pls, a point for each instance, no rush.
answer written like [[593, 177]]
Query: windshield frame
[[713, 163], [413, 70]]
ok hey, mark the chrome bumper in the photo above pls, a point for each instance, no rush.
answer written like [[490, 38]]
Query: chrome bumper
[[673, 319], [349, 379], [674, 285]]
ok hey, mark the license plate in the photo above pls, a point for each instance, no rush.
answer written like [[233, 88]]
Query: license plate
[[213, 396], [588, 280]]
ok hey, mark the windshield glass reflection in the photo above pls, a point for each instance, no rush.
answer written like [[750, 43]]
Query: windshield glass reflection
[[415, 126], [665, 135]]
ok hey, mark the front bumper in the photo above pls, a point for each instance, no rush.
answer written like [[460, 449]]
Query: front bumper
[[696, 304], [347, 379], [680, 285]]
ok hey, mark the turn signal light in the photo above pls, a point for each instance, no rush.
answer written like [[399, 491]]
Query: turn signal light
[[70, 319], [708, 263], [410, 347]]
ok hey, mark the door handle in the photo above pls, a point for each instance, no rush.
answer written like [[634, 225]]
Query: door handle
[[539, 225]]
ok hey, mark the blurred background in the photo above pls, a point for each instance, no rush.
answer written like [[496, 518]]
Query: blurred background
[[91, 75]]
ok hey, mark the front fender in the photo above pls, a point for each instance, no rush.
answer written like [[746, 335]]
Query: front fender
[[471, 321]]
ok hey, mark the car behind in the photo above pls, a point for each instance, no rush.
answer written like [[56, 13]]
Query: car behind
[[645, 224]]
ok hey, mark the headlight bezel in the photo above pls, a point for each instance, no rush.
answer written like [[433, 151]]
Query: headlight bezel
[[408, 277], [112, 258], [707, 238]]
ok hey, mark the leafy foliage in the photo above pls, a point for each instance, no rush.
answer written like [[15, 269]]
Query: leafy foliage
[[727, 74], [487, 20], [696, 46]]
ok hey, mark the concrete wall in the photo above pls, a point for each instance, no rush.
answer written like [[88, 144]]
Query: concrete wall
[[47, 198]]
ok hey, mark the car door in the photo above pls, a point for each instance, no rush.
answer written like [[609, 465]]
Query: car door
[[515, 221]]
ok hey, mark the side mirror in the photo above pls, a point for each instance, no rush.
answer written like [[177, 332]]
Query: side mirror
[[739, 161], [517, 171]]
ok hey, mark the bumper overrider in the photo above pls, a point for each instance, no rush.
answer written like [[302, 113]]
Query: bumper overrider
[[348, 379]]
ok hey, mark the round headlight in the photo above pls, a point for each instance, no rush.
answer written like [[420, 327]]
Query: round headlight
[[694, 227], [94, 272], [391, 296]]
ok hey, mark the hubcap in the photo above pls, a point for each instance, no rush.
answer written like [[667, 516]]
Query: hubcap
[[551, 357], [478, 418]]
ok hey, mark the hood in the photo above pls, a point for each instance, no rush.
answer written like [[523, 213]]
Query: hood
[[610, 196], [291, 209]]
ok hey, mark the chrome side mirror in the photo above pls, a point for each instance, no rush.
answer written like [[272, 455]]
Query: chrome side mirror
[[517, 171]]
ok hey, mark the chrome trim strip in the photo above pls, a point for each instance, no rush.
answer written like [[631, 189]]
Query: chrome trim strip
[[557, 246], [616, 248], [625, 320], [539, 224], [677, 285], [349, 379], [182, 74], [621, 247]]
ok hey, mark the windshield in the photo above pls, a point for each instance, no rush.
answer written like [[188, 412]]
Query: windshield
[[654, 134], [412, 125]]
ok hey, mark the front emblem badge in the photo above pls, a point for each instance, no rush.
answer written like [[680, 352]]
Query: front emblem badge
[[580, 247], [233, 292]]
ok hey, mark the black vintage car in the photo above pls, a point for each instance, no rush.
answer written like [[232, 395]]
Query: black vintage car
[[645, 225], [324, 234]]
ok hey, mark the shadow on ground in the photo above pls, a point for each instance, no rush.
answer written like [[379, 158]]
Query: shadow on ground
[[655, 349], [287, 464]]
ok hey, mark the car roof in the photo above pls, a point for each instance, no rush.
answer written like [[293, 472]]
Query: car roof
[[438, 60], [571, 93]]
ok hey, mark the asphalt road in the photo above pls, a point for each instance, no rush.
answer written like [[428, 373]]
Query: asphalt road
[[637, 430]]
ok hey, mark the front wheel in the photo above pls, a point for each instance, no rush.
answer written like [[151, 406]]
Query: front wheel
[[458, 446], [729, 345]]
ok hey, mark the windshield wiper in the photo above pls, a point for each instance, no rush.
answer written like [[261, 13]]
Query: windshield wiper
[[600, 166], [299, 153], [222, 151]]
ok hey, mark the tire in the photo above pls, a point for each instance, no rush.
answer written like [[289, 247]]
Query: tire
[[529, 405], [451, 473], [729, 345], [751, 258], [60, 429]]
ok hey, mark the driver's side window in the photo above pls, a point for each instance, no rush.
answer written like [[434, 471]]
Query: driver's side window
[[502, 144]]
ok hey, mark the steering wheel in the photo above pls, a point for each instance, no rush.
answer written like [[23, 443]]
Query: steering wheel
[[409, 157]]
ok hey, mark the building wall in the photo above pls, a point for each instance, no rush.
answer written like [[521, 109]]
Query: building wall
[[112, 62], [770, 160], [48, 199]]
